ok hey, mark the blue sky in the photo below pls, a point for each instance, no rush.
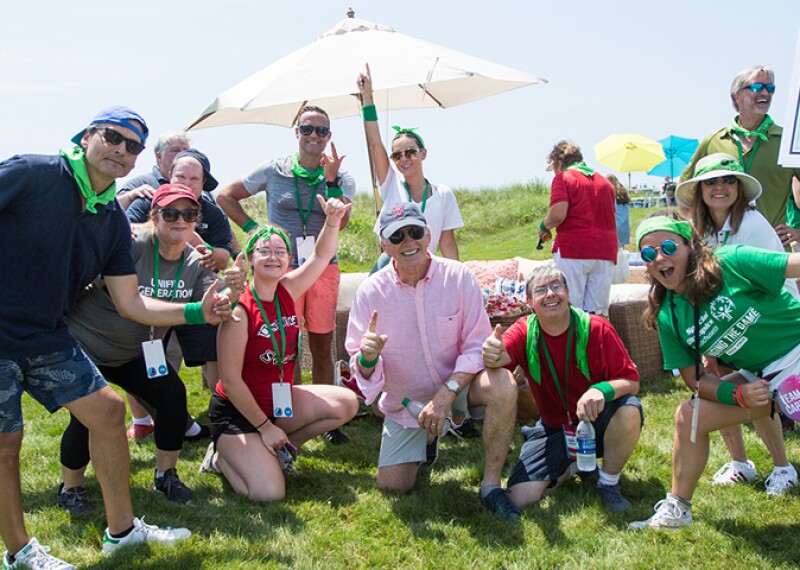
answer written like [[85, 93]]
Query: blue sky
[[654, 68]]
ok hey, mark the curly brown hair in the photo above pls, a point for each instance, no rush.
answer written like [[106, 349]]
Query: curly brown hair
[[565, 153], [703, 275]]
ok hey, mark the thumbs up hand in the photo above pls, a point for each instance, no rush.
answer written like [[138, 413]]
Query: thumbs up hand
[[493, 351]]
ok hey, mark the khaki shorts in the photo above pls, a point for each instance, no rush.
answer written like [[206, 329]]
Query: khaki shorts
[[317, 307]]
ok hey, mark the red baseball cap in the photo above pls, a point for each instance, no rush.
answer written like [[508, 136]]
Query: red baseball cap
[[168, 193]]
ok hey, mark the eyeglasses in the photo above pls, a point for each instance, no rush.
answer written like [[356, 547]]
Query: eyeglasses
[[267, 252], [556, 287], [113, 138], [727, 179], [306, 130], [668, 248], [408, 153], [414, 232], [757, 87], [172, 214]]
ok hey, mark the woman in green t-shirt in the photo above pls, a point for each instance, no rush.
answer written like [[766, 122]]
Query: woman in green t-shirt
[[735, 297]]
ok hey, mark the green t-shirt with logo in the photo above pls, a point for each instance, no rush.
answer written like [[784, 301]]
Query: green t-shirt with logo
[[752, 321]]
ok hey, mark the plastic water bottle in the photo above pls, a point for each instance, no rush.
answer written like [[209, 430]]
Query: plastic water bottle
[[414, 408], [587, 446]]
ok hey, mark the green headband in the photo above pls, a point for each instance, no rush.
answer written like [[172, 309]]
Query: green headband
[[663, 224], [729, 164], [266, 232], [412, 131]]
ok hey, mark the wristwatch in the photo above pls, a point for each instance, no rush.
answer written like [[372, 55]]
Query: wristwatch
[[453, 386]]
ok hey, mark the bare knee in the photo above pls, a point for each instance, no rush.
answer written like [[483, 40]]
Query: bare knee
[[348, 407], [10, 444], [396, 486], [499, 387], [397, 479], [629, 417], [265, 494]]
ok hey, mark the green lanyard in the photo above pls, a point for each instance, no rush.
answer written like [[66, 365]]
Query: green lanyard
[[566, 367], [424, 198], [753, 151], [304, 216], [279, 350], [156, 257]]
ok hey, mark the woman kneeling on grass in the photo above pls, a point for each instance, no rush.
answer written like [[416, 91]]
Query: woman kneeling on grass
[[257, 417], [735, 297]]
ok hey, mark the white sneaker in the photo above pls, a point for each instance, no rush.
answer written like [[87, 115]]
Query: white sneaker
[[144, 533], [35, 557], [735, 472], [209, 464], [781, 480], [669, 514]]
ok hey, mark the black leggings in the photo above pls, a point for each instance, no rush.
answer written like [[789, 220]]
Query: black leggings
[[166, 395]]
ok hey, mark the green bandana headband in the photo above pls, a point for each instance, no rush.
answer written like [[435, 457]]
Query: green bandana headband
[[663, 224], [265, 233], [313, 177], [75, 157], [412, 131], [760, 132], [581, 167], [724, 164]]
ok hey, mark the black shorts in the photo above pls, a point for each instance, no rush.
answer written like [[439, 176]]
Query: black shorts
[[223, 417], [198, 343], [543, 456]]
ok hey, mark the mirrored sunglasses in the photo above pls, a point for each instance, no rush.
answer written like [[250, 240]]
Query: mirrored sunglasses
[[757, 87], [414, 232], [408, 153], [727, 179], [172, 214], [113, 138], [668, 248], [306, 130]]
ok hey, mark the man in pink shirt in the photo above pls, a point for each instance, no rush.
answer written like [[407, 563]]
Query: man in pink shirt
[[416, 330]]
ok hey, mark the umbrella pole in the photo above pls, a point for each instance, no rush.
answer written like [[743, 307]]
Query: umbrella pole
[[629, 182]]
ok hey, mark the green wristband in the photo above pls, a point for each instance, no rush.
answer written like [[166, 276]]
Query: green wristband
[[209, 246], [369, 113], [543, 227], [607, 389], [249, 225], [367, 363], [725, 393], [193, 313], [334, 192]]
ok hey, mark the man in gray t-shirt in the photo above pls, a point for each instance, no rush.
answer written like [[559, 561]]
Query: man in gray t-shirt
[[291, 185]]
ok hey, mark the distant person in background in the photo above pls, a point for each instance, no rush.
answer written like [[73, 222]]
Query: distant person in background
[[401, 179], [167, 146], [622, 205], [669, 190], [582, 210]]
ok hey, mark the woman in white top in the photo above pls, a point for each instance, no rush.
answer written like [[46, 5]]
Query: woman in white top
[[402, 179], [719, 197]]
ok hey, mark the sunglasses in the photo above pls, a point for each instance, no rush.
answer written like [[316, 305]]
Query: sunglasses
[[408, 153], [414, 232], [556, 287], [668, 248], [172, 214], [727, 179], [757, 87], [113, 138], [306, 130]]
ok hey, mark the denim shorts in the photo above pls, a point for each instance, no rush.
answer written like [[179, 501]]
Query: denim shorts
[[51, 379]]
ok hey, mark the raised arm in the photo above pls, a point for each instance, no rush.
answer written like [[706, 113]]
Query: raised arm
[[378, 151]]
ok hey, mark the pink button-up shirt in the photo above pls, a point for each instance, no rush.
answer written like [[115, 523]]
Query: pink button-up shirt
[[435, 329]]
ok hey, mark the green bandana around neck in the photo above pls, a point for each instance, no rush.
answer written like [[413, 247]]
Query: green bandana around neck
[[580, 167], [312, 177], [663, 224], [75, 158], [412, 131], [760, 132], [583, 323], [265, 233]]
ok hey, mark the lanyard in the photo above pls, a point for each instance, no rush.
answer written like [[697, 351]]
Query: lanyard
[[304, 216], [424, 198], [156, 257], [566, 367], [753, 151], [279, 350]]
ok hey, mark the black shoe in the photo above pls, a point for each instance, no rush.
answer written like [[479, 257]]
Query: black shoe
[[335, 436], [172, 487], [204, 433], [467, 430], [612, 497], [431, 453], [498, 502], [74, 501]]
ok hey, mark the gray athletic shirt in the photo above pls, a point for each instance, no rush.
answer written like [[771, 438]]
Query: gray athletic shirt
[[112, 340]]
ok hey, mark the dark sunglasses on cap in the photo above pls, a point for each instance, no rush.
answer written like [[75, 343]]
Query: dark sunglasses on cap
[[306, 130], [113, 138], [414, 232], [408, 153], [171, 214], [668, 248], [757, 87], [727, 179]]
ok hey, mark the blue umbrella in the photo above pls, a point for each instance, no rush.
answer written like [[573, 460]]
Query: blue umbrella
[[678, 151]]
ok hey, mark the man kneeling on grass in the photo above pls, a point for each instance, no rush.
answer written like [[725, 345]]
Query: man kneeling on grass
[[415, 332], [577, 368]]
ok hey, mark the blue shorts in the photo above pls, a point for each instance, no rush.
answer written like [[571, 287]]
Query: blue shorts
[[51, 379], [543, 456]]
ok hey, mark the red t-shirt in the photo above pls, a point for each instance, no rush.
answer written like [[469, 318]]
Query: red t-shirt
[[590, 230], [607, 357], [260, 369]]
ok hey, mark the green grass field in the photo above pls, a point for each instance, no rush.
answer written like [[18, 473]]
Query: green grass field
[[334, 517]]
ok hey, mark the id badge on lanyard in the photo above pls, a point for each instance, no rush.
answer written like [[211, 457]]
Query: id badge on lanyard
[[570, 441], [305, 247], [155, 361], [282, 400]]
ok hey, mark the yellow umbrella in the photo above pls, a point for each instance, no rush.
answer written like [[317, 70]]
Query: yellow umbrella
[[629, 153]]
